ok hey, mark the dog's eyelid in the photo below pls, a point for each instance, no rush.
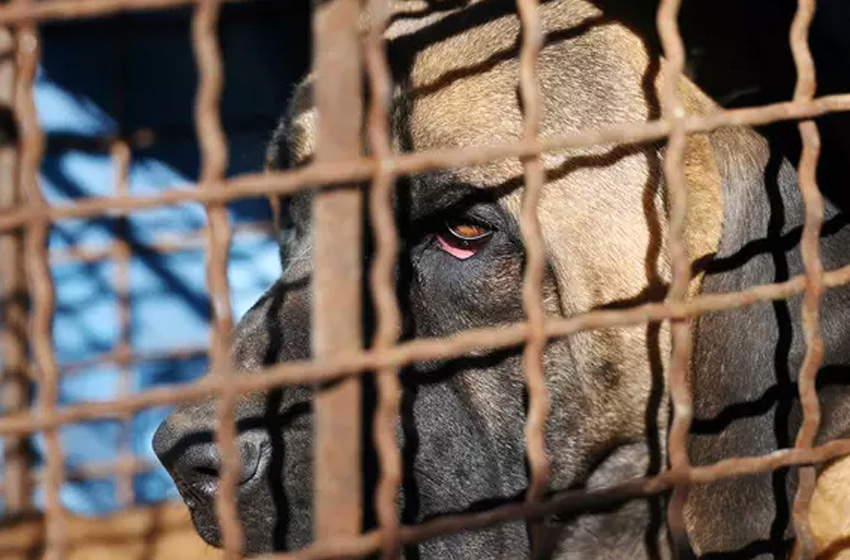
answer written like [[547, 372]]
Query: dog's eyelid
[[469, 230]]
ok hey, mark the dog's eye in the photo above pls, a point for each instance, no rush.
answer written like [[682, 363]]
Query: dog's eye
[[462, 238]]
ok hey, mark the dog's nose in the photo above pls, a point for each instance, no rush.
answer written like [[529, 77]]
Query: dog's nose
[[194, 460], [200, 467]]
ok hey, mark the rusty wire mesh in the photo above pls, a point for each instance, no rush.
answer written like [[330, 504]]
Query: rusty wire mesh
[[336, 346]]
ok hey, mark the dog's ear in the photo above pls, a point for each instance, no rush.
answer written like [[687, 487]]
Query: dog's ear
[[291, 144], [277, 151], [705, 202]]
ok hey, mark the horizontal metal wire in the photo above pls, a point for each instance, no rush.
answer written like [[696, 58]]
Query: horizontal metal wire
[[36, 12], [126, 465], [422, 349], [160, 244], [325, 174], [574, 501], [131, 357]]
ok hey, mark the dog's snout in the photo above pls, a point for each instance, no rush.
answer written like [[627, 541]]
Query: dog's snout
[[200, 467], [194, 460]]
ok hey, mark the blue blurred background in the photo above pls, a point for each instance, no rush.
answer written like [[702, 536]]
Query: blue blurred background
[[133, 76]]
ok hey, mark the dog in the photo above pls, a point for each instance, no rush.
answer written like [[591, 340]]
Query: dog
[[603, 216]]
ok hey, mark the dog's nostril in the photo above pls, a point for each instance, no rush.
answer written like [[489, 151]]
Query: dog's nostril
[[201, 466], [207, 471]]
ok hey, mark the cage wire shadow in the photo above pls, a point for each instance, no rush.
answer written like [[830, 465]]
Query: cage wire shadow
[[338, 162]]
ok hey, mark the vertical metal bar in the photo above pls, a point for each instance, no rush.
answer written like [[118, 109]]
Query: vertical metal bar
[[680, 392], [213, 168], [382, 277], [124, 479], [337, 276], [805, 91], [121, 156], [43, 295], [14, 296], [532, 289]]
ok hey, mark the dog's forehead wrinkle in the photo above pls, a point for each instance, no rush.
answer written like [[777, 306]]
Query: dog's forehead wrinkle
[[436, 191], [439, 193]]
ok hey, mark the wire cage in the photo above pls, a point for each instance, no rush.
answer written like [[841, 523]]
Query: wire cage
[[26, 218], [130, 293]]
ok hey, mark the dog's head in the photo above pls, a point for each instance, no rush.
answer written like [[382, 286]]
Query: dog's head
[[461, 265]]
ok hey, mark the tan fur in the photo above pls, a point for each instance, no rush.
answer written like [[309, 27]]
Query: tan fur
[[161, 532], [829, 512], [704, 221], [596, 194], [463, 91], [705, 202]]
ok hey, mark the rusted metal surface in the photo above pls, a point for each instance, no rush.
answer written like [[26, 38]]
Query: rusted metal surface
[[473, 341], [121, 155], [338, 356], [532, 293], [382, 277], [124, 467], [121, 355], [17, 12], [680, 264], [573, 501], [535, 262], [43, 293], [355, 168], [13, 302], [160, 244], [337, 273], [213, 168], [805, 90], [123, 254]]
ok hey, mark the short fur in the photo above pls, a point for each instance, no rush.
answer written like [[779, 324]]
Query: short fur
[[603, 217]]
